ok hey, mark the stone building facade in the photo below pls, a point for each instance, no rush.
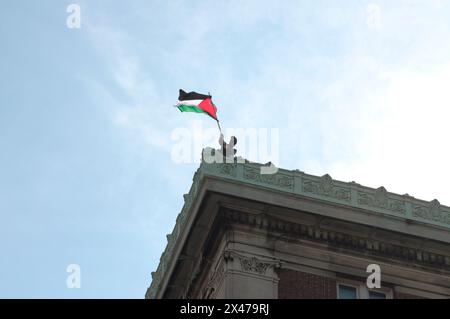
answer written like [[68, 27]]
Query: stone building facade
[[243, 234]]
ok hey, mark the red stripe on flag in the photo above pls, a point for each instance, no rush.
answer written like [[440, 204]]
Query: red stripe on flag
[[208, 106]]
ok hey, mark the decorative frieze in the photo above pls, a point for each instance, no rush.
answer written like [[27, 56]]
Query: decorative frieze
[[325, 187], [432, 212], [228, 169], [278, 180], [380, 199]]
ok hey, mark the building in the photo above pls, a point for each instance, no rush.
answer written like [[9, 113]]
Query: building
[[243, 234]]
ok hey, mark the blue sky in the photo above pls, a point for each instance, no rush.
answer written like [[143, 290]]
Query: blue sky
[[357, 89]]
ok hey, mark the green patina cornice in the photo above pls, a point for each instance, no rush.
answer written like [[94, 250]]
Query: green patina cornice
[[296, 182]]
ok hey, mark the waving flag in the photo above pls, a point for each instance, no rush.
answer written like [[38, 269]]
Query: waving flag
[[196, 102]]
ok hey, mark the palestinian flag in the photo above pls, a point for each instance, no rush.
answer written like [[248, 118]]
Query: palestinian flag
[[196, 102]]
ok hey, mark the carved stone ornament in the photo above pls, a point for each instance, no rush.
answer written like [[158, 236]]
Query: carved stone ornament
[[253, 265], [380, 199], [433, 212], [278, 180], [325, 187]]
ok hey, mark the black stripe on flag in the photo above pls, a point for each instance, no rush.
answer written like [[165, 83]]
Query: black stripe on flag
[[191, 96]]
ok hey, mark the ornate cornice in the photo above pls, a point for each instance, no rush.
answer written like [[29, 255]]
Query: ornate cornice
[[410, 255], [298, 183]]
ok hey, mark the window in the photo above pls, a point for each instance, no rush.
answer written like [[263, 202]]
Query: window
[[376, 295], [347, 292], [351, 289]]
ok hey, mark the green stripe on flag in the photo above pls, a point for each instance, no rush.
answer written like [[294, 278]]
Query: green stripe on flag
[[190, 108]]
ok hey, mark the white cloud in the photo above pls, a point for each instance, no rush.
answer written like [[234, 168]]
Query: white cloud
[[405, 144]]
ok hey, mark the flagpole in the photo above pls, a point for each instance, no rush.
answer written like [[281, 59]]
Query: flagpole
[[220, 129]]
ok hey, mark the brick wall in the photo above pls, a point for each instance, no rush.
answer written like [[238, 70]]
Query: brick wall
[[299, 285]]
